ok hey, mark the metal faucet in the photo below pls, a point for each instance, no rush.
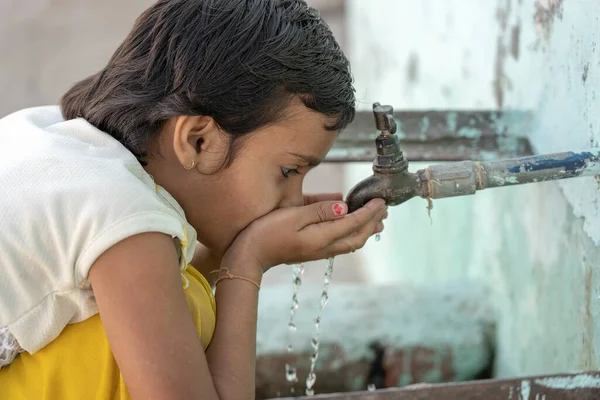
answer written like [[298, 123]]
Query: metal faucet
[[392, 182]]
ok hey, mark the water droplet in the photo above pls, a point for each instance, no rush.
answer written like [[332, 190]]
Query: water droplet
[[377, 237], [310, 380], [312, 377], [297, 272], [314, 357], [290, 374], [371, 387]]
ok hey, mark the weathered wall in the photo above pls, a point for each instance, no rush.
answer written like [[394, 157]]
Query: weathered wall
[[535, 246]]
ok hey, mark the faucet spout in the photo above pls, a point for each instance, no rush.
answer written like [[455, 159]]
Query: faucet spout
[[391, 180], [394, 187]]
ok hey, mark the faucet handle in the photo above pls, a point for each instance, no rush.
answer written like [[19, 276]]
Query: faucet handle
[[384, 118]]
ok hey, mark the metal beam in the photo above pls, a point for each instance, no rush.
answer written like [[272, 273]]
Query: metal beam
[[441, 136], [580, 386]]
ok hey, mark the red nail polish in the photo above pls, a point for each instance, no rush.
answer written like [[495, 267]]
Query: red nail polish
[[338, 209]]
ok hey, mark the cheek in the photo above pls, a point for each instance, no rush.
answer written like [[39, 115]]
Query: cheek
[[252, 195]]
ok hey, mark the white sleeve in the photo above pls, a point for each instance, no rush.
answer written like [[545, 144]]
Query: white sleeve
[[73, 193], [139, 222], [121, 209]]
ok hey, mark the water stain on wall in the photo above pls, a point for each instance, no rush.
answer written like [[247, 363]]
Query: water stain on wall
[[586, 69], [546, 11], [412, 69], [515, 40], [500, 82]]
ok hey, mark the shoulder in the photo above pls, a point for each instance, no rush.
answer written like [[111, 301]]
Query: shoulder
[[71, 191]]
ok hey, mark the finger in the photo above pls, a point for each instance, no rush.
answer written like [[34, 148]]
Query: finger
[[323, 211], [331, 231], [357, 241], [371, 228], [317, 197]]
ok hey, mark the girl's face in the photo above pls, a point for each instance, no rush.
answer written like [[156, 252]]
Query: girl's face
[[267, 172]]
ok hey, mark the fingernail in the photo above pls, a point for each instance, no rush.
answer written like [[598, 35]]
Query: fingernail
[[339, 208]]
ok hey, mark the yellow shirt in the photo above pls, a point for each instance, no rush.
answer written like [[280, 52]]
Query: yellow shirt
[[79, 365]]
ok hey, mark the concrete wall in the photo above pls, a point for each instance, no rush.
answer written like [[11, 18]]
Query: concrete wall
[[536, 246]]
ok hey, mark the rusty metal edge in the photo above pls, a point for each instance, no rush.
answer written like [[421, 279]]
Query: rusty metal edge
[[583, 385], [449, 135], [434, 124]]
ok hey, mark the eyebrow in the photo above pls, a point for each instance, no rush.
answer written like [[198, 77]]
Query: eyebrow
[[310, 160]]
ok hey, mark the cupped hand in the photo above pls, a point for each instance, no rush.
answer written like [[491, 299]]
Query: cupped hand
[[318, 230], [315, 198]]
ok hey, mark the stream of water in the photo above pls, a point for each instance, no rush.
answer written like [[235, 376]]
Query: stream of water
[[312, 377], [290, 370]]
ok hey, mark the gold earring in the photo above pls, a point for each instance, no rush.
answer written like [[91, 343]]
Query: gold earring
[[191, 166]]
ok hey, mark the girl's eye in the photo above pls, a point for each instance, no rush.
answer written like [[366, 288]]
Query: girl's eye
[[289, 171]]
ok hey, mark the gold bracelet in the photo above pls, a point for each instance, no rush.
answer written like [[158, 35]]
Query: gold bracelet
[[230, 276]]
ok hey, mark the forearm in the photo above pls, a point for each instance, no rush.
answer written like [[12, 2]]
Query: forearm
[[232, 352]]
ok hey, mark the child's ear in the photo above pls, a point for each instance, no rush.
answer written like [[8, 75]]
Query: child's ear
[[199, 144]]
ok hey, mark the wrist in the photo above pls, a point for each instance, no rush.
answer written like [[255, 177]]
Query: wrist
[[237, 263]]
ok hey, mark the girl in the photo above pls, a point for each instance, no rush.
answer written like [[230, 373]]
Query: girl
[[200, 128]]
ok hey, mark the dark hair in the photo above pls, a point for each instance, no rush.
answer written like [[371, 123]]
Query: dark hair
[[237, 61]]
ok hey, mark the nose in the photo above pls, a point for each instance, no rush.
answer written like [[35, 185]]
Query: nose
[[293, 196]]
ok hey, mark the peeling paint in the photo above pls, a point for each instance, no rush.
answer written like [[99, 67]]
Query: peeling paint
[[501, 181], [546, 11], [424, 128], [570, 383], [525, 390], [574, 163], [451, 121], [468, 132], [399, 129], [584, 76]]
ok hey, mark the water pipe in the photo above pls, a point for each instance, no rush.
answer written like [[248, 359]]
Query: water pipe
[[392, 182]]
